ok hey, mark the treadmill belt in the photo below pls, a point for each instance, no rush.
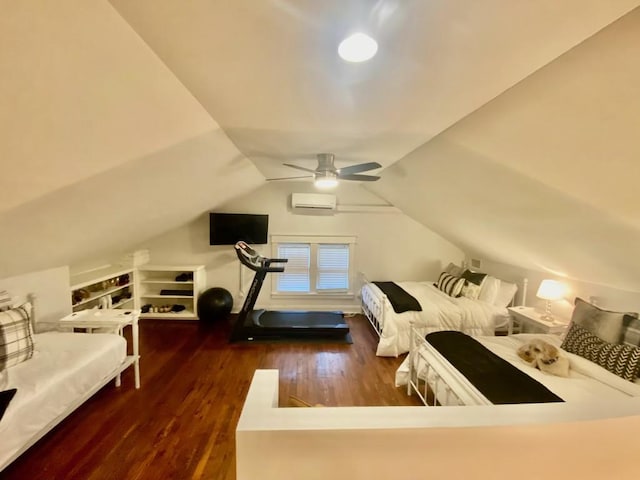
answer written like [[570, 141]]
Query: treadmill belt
[[302, 320]]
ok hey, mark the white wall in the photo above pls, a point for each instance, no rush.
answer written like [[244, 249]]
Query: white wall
[[50, 288], [390, 246], [601, 295]]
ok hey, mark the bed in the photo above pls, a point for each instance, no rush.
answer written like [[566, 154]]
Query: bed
[[62, 372], [438, 311], [430, 374]]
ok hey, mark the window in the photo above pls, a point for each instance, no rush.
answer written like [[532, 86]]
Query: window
[[316, 266]]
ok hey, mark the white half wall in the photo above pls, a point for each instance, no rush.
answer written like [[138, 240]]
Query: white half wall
[[587, 441], [390, 246]]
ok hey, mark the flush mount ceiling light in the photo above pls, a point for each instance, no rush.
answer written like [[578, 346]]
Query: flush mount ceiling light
[[357, 48]]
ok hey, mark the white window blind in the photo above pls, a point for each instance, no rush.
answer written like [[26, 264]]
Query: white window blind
[[333, 267], [296, 276], [320, 265]]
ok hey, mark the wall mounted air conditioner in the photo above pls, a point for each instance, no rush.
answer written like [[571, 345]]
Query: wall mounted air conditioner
[[317, 201]]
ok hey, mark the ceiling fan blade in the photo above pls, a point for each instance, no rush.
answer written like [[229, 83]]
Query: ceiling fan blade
[[361, 167], [359, 178], [289, 178], [299, 168]]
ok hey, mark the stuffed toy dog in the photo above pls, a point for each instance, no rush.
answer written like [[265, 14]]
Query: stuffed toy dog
[[545, 357]]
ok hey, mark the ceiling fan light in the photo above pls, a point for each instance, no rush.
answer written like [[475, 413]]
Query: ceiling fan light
[[326, 180], [326, 183], [357, 48]]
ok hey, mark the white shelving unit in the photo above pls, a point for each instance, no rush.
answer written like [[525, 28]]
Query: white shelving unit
[[96, 285], [163, 285]]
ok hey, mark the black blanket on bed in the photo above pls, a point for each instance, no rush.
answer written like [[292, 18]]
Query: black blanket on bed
[[494, 377], [400, 300]]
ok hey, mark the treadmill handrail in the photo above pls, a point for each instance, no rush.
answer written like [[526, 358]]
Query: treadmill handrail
[[256, 262]]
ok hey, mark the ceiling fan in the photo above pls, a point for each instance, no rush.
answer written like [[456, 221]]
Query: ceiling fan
[[326, 175]]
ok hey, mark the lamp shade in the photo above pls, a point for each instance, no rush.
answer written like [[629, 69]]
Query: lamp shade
[[550, 290]]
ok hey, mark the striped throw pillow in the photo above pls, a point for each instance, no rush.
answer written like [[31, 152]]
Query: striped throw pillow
[[16, 341], [450, 284], [620, 359]]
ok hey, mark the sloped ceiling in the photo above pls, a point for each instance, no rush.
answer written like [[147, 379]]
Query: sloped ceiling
[[101, 145], [268, 71], [121, 120], [545, 176]]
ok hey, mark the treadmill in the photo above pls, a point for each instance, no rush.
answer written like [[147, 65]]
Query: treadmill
[[264, 324]]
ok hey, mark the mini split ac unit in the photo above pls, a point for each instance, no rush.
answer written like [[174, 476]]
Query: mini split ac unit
[[318, 201]]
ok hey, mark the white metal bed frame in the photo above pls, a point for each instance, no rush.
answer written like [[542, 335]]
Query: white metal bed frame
[[374, 306], [454, 391], [112, 375]]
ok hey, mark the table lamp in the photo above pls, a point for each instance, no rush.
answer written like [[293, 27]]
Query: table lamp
[[551, 291]]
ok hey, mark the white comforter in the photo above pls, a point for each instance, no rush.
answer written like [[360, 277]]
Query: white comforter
[[586, 381], [439, 312], [64, 367]]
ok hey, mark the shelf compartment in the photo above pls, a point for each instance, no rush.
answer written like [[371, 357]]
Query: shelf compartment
[[93, 277], [166, 276], [170, 282], [183, 315], [96, 295], [154, 296]]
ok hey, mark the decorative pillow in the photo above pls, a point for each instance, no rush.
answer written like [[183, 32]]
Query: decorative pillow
[[16, 340], [631, 330], [450, 284], [473, 284], [505, 294], [5, 300], [610, 326], [622, 360], [5, 398], [453, 269], [489, 289]]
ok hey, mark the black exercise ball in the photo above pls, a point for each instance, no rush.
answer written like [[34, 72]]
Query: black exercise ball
[[214, 304]]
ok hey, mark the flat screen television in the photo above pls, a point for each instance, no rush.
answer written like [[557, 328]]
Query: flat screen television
[[228, 228]]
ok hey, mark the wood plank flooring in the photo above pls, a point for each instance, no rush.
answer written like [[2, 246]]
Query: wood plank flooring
[[181, 423]]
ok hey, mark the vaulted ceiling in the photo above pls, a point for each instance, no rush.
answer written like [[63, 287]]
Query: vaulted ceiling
[[509, 127]]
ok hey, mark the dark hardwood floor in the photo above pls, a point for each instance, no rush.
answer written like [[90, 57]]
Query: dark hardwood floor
[[181, 423]]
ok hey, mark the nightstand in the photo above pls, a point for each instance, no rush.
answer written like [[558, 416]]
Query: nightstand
[[113, 320], [529, 319]]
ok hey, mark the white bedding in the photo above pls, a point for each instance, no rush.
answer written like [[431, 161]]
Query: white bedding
[[439, 312], [587, 381], [64, 367]]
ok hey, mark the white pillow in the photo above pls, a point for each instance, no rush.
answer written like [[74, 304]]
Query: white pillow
[[489, 290], [506, 292]]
